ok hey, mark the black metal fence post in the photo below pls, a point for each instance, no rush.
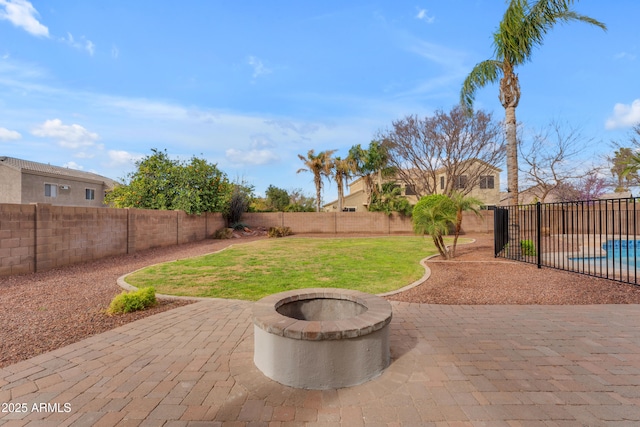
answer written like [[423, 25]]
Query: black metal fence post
[[539, 233]]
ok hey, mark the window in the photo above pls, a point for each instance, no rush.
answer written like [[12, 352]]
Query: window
[[50, 190], [89, 194], [442, 182], [486, 182], [409, 190], [461, 182], [348, 209]]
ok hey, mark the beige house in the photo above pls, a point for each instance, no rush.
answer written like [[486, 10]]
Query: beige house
[[23, 182], [487, 190]]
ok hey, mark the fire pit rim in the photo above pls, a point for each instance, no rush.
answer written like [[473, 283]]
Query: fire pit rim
[[377, 315]]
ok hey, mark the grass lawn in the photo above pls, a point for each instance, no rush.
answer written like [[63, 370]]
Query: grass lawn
[[253, 270]]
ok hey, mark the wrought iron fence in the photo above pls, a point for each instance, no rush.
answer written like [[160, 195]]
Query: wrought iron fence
[[598, 237]]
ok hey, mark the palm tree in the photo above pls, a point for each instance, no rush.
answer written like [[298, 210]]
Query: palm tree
[[320, 166], [433, 215], [372, 164], [522, 28], [462, 203], [342, 170]]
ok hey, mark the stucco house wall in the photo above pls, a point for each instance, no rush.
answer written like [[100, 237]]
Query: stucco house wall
[[25, 182], [10, 185]]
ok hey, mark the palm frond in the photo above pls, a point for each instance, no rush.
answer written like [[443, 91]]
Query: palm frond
[[485, 72]]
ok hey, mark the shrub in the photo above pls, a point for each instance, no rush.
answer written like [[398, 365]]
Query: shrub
[[127, 302], [279, 231], [528, 248], [223, 233]]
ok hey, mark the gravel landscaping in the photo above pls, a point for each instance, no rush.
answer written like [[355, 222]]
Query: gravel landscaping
[[43, 311]]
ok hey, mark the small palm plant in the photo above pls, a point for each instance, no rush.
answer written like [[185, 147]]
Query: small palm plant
[[462, 203], [433, 215]]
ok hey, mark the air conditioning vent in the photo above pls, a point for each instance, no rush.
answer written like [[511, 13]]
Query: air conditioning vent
[[64, 187]]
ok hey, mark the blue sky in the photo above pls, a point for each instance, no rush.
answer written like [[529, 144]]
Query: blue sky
[[250, 85]]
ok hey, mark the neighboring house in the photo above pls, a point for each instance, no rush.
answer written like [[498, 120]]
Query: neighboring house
[[23, 182], [487, 190]]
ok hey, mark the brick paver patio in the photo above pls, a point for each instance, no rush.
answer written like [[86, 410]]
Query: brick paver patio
[[452, 366]]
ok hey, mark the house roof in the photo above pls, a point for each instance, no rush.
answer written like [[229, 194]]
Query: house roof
[[46, 169]]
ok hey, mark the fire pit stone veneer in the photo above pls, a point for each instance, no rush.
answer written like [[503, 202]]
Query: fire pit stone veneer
[[321, 338]]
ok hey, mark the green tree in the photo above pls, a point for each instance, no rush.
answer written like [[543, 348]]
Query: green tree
[[390, 200], [320, 166], [624, 169], [372, 165], [162, 183], [462, 204], [433, 215], [523, 27], [299, 202], [277, 199]]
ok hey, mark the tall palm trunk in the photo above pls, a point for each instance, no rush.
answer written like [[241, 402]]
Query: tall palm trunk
[[510, 97], [318, 182]]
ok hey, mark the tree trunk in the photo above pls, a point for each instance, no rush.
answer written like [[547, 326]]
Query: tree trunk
[[318, 180], [515, 251]]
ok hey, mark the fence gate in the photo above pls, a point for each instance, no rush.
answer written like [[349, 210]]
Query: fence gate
[[501, 229]]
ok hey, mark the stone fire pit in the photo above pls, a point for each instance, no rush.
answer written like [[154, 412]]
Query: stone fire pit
[[321, 338]]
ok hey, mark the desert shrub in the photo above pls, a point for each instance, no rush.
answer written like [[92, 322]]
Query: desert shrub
[[528, 248], [279, 231], [127, 302], [223, 233]]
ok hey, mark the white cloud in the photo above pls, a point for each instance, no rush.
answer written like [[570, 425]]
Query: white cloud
[[625, 55], [251, 157], [21, 13], [258, 67], [121, 157], [83, 44], [423, 16], [68, 136], [115, 52], [73, 165], [624, 115], [299, 128], [9, 135]]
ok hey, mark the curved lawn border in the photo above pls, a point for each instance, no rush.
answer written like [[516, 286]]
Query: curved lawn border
[[126, 286]]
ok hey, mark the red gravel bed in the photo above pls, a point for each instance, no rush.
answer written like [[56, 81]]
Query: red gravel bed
[[43, 311]]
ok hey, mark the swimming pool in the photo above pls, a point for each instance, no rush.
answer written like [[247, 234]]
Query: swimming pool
[[620, 254]]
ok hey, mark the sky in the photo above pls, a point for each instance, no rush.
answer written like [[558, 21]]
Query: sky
[[250, 85]]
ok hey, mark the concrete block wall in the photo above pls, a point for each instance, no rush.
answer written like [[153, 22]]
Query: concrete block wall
[[39, 237], [17, 239], [68, 235], [152, 229]]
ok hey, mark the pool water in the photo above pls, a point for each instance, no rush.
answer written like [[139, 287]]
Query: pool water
[[620, 253]]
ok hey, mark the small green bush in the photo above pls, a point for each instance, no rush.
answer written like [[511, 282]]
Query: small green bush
[[279, 231], [528, 248], [127, 302]]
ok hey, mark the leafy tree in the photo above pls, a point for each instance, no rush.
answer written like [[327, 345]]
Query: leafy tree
[[372, 165], [624, 170], [450, 142], [320, 166], [159, 182], [462, 204], [523, 27], [277, 199], [390, 200], [433, 215], [299, 202]]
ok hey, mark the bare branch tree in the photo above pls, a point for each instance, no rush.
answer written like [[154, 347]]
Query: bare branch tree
[[456, 144], [550, 160]]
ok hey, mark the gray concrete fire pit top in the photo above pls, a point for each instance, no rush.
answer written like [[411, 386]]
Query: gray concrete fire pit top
[[317, 314]]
